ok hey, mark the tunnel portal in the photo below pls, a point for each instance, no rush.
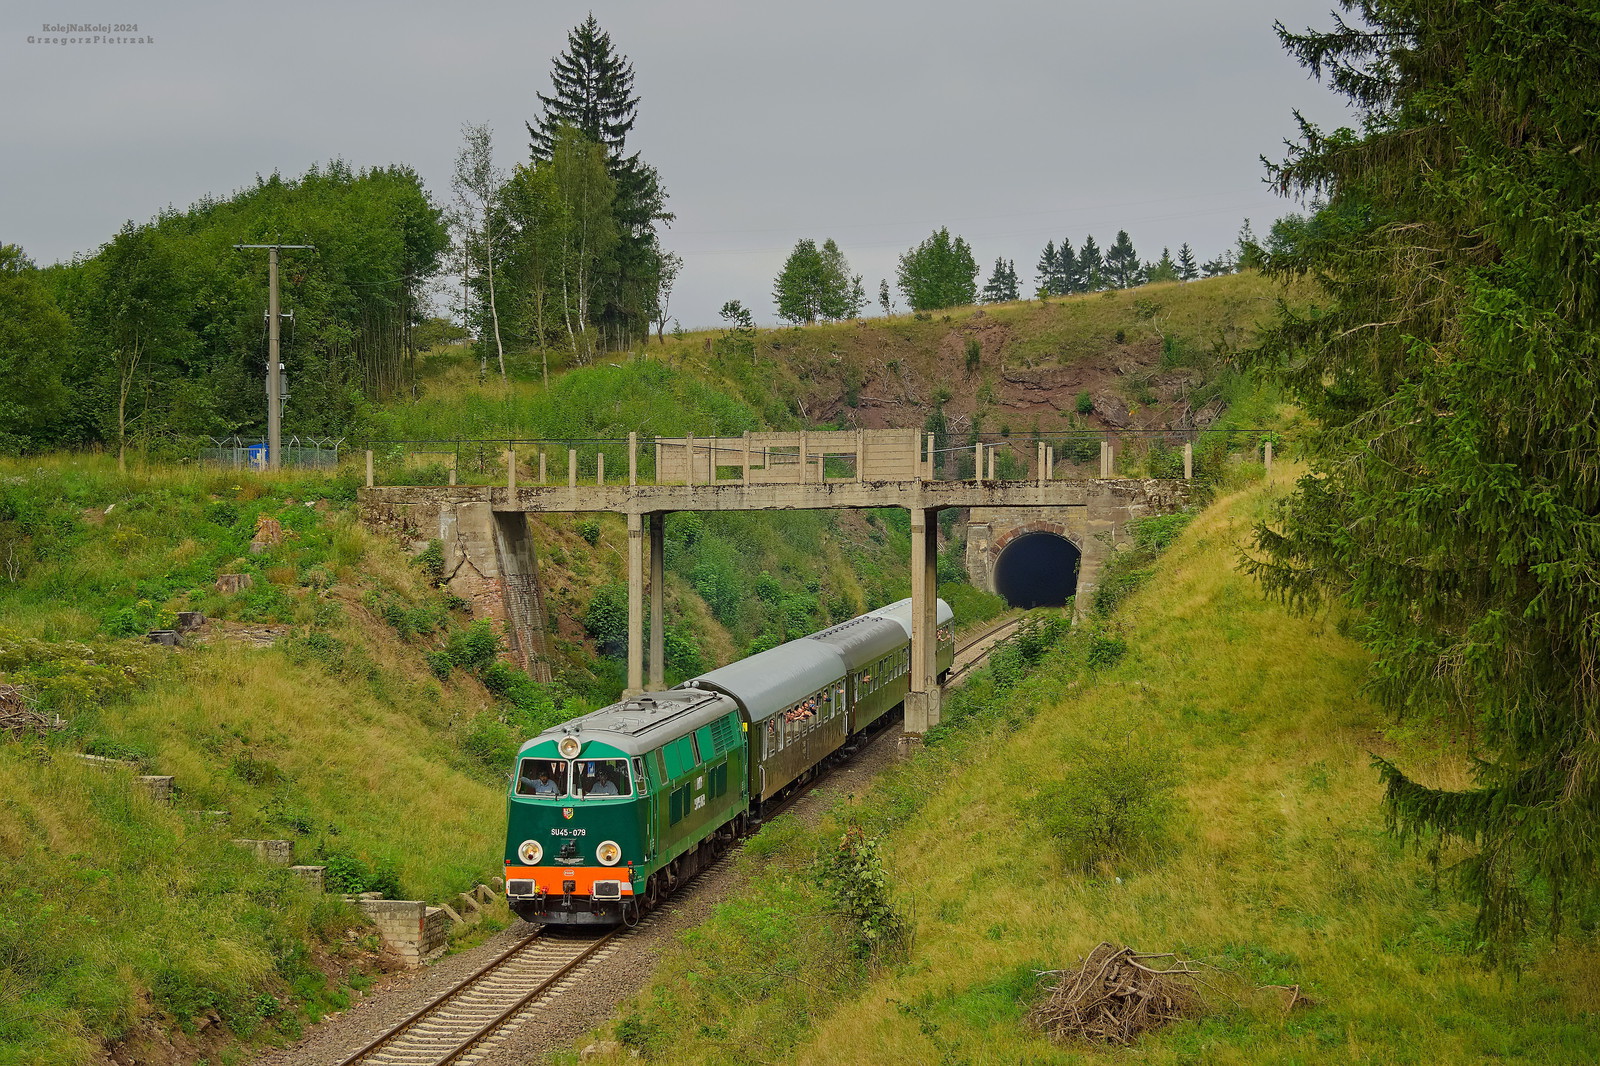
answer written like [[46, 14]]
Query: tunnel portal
[[1037, 570]]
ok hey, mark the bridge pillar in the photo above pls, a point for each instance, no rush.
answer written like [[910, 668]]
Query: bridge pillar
[[635, 605], [922, 702], [658, 575]]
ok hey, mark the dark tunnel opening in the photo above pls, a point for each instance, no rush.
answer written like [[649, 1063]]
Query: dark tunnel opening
[[1037, 570]]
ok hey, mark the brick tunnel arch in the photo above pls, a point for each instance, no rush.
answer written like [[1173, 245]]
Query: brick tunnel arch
[[1036, 566]]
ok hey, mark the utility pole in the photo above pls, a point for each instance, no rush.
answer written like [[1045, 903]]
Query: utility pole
[[274, 378]]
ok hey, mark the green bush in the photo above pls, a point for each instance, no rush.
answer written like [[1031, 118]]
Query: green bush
[[853, 877], [1113, 803], [475, 647], [589, 530], [606, 619], [1085, 403], [431, 561]]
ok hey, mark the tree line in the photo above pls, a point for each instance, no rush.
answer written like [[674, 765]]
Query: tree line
[[160, 334], [941, 271]]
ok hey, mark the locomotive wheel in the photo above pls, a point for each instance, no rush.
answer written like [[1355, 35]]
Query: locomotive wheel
[[652, 891]]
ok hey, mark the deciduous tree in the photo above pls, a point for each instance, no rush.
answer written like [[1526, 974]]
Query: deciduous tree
[[475, 186], [35, 346], [939, 272]]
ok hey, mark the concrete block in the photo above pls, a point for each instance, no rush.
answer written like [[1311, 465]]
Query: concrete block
[[277, 852], [190, 620], [159, 788], [104, 763], [311, 875], [168, 638], [454, 917], [411, 928]]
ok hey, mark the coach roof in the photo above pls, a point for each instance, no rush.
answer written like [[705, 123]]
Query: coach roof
[[772, 680]]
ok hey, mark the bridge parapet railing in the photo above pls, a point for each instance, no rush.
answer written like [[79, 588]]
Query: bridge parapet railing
[[817, 457]]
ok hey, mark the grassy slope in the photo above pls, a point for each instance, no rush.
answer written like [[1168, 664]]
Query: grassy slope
[[117, 912], [1274, 865], [1280, 872]]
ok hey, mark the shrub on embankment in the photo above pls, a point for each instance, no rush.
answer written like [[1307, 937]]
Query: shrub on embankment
[[1208, 791]]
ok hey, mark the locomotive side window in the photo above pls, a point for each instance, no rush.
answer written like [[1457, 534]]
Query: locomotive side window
[[602, 777], [542, 777]]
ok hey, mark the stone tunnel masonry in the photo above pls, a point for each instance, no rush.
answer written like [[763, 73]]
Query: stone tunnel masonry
[[1094, 528]]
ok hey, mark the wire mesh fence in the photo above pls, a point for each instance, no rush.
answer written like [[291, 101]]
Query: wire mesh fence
[[305, 453]]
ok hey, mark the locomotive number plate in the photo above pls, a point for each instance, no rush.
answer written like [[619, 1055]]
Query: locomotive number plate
[[562, 831]]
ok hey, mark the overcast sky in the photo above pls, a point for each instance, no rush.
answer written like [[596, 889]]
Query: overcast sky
[[1012, 122]]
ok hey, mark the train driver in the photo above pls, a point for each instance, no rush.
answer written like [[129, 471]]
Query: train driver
[[545, 786], [603, 785]]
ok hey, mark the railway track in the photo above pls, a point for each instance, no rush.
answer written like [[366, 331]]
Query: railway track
[[983, 641], [474, 1016], [462, 1023]]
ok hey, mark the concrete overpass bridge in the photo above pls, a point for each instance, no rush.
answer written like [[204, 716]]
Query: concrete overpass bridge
[[491, 560]]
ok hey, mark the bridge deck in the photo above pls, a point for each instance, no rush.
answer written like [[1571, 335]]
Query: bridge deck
[[912, 494]]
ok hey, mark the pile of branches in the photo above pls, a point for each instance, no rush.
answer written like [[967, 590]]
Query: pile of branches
[[1116, 995], [19, 717]]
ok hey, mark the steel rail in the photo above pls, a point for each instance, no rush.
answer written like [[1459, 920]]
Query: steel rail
[[465, 984], [492, 1026]]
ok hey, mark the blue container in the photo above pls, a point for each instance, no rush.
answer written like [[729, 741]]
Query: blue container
[[258, 456]]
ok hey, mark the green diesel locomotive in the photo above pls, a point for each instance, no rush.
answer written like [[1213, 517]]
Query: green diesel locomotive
[[609, 812]]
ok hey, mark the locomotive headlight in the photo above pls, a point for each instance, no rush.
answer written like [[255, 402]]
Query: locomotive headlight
[[530, 852], [568, 747], [609, 853]]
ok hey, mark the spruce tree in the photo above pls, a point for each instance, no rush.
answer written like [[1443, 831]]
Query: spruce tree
[[1091, 268], [1163, 269], [593, 94], [1187, 270], [1122, 263], [1002, 285], [1448, 366], [1049, 270], [1071, 276]]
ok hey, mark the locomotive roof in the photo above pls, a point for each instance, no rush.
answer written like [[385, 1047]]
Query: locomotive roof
[[772, 680], [899, 612], [861, 640], [642, 723]]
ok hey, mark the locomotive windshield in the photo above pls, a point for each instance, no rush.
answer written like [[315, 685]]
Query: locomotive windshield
[[601, 777], [542, 777]]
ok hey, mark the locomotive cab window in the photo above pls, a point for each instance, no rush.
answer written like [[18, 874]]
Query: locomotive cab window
[[544, 778], [602, 777]]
